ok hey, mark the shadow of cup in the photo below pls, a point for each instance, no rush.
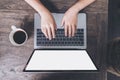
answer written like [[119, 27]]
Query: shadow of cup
[[28, 26]]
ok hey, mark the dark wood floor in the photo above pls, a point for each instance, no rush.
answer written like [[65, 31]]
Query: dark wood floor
[[113, 27], [114, 19], [13, 59]]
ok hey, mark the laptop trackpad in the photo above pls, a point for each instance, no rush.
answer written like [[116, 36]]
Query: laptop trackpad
[[60, 60]]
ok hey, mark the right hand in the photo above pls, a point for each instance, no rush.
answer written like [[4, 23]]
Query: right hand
[[48, 25]]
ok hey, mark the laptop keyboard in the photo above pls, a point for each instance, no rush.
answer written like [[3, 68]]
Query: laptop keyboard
[[60, 39]]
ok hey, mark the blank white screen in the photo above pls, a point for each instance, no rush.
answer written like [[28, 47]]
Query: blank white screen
[[60, 60]]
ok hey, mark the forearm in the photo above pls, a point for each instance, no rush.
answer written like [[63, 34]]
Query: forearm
[[38, 6], [81, 4]]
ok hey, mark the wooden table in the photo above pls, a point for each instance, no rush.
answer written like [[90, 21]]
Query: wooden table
[[13, 59]]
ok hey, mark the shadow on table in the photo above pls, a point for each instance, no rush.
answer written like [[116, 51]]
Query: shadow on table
[[68, 76], [28, 26]]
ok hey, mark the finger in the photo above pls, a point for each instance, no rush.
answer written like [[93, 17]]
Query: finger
[[73, 30], [44, 31], [70, 30], [53, 31], [66, 30], [62, 23], [55, 27], [49, 32]]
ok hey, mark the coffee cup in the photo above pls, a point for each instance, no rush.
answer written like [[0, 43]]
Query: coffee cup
[[17, 36]]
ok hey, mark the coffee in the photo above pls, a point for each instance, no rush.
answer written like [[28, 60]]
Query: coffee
[[19, 37]]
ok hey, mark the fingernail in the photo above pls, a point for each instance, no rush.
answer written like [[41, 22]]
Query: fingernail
[[69, 36], [65, 35], [54, 37], [73, 35], [50, 39]]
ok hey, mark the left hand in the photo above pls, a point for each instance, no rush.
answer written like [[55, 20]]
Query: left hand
[[69, 22]]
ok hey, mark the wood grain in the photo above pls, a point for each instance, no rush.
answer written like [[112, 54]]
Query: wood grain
[[13, 59], [59, 5]]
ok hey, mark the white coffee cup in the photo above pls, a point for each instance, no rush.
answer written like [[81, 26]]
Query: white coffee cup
[[17, 36]]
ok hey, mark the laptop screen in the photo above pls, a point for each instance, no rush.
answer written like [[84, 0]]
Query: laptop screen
[[60, 60]]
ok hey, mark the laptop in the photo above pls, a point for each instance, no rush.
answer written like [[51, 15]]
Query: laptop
[[62, 53]]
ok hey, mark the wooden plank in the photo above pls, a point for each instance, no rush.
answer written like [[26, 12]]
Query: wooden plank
[[17, 17], [18, 12], [102, 41], [54, 5]]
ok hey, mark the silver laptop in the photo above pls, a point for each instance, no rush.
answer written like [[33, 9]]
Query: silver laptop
[[76, 42], [62, 53]]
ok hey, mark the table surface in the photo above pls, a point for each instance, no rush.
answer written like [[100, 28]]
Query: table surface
[[13, 59]]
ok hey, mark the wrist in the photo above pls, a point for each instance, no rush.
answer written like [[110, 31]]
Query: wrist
[[44, 13], [73, 11], [78, 6]]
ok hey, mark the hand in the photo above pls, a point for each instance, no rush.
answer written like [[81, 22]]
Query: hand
[[48, 25], [69, 22]]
